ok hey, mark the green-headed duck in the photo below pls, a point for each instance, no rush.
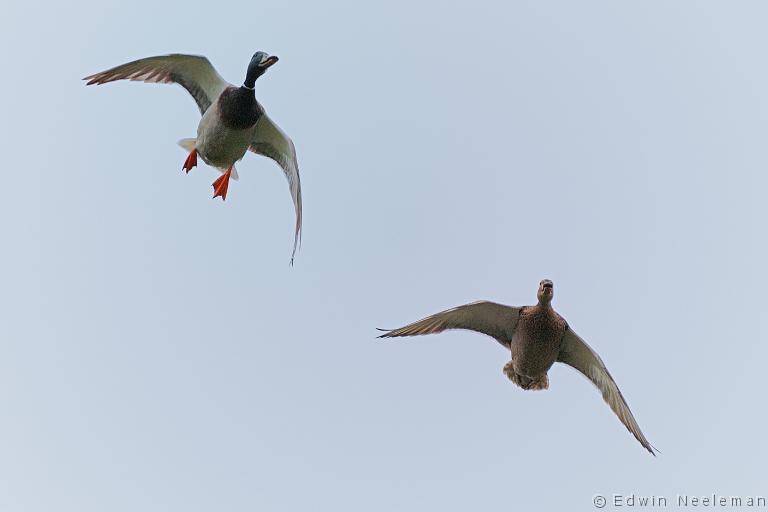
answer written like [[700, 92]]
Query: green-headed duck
[[232, 120]]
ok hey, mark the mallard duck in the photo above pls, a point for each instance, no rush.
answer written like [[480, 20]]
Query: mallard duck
[[232, 120], [537, 337]]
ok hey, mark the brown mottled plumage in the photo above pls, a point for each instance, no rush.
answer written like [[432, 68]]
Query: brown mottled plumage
[[536, 342], [537, 338]]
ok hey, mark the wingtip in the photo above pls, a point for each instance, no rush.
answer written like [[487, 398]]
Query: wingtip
[[296, 246], [93, 79]]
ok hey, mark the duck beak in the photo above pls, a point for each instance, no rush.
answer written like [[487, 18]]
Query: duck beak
[[268, 62]]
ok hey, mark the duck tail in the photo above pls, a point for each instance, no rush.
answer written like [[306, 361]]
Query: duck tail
[[539, 383], [188, 144]]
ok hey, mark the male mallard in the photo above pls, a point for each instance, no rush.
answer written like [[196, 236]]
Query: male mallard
[[537, 337], [235, 124]]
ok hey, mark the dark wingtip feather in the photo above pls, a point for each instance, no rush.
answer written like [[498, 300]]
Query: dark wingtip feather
[[296, 244]]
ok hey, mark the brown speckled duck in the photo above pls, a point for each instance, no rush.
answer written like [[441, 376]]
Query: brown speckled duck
[[232, 122], [537, 337]]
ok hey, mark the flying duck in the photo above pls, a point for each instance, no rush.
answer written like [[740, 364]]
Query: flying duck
[[537, 337], [232, 120]]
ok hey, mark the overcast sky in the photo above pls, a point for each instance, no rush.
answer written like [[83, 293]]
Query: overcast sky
[[158, 353]]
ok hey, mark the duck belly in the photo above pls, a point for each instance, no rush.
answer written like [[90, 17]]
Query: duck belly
[[532, 358], [221, 146], [535, 346]]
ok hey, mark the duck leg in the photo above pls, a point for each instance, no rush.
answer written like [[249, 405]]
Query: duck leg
[[221, 184], [191, 161]]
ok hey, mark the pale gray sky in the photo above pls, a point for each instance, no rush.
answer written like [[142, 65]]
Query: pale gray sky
[[158, 353]]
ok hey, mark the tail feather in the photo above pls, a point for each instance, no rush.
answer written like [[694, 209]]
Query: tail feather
[[188, 144], [540, 382]]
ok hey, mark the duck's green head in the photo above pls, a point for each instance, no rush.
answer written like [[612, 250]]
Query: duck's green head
[[259, 64], [546, 291]]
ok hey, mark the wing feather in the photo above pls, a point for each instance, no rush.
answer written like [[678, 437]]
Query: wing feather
[[576, 353], [270, 141], [193, 72], [495, 320]]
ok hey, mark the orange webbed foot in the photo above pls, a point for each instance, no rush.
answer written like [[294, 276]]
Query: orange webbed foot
[[221, 184], [191, 161]]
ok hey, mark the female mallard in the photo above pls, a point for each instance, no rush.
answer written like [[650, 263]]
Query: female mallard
[[232, 123], [537, 337]]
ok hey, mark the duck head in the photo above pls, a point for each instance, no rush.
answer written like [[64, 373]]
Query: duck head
[[259, 64], [546, 291]]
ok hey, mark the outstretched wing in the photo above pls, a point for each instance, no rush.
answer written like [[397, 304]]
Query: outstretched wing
[[270, 141], [495, 320], [194, 73], [576, 353]]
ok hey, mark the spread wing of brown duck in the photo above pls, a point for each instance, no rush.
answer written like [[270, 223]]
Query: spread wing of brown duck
[[495, 320], [576, 353]]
